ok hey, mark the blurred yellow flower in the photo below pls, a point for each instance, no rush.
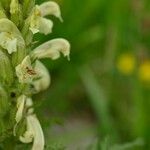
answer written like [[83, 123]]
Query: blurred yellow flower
[[144, 71], [126, 64]]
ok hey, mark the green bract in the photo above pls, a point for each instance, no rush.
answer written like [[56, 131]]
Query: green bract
[[21, 69]]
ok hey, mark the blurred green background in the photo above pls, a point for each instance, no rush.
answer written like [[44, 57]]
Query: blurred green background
[[101, 97]]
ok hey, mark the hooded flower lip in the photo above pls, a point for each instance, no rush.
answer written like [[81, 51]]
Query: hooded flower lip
[[28, 136], [37, 21], [52, 49], [38, 143], [7, 41], [45, 26], [10, 36], [33, 133], [24, 71], [50, 8], [34, 20], [44, 78]]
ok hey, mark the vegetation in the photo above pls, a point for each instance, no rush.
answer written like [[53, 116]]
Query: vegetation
[[99, 99]]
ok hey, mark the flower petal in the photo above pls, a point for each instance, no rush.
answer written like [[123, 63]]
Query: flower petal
[[44, 78], [50, 8], [34, 20], [39, 142], [24, 71], [34, 132], [52, 49], [9, 27], [45, 26], [29, 104], [39, 23], [20, 106], [28, 136], [7, 41]]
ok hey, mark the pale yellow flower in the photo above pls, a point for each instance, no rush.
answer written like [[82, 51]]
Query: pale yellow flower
[[37, 21], [25, 71], [52, 49], [34, 133], [7, 41], [40, 24], [20, 110], [144, 71], [20, 107], [50, 8], [126, 64], [10, 36], [28, 136], [43, 81]]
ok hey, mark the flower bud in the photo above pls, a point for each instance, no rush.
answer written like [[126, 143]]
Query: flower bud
[[20, 107], [6, 72], [2, 14], [4, 102], [16, 12], [52, 49], [27, 6], [43, 81]]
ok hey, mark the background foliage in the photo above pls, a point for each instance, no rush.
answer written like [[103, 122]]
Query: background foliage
[[90, 98]]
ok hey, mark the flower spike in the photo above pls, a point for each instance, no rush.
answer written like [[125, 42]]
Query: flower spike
[[21, 73]]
